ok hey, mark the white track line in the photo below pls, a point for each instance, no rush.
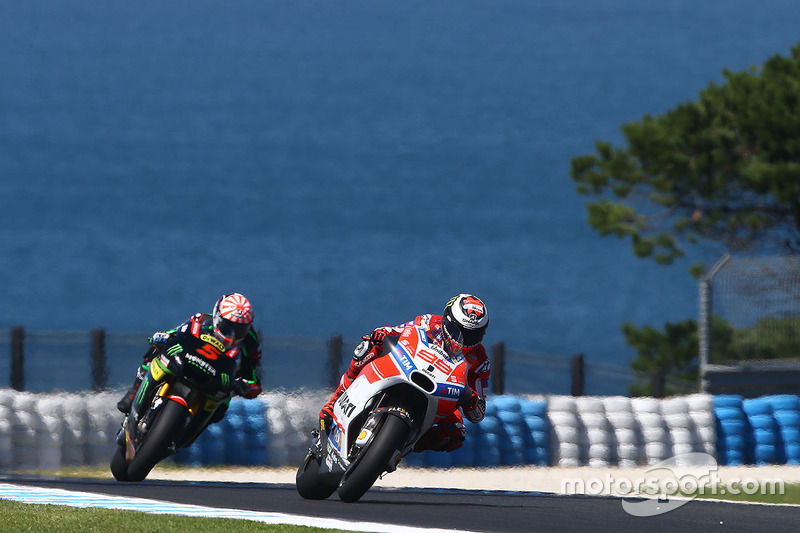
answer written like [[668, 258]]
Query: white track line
[[39, 495]]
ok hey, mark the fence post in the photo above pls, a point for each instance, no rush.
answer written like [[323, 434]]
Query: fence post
[[498, 368], [18, 358], [578, 375], [658, 383], [706, 305], [332, 374], [99, 367]]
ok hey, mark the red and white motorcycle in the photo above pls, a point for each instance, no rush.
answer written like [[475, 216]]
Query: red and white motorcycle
[[394, 400]]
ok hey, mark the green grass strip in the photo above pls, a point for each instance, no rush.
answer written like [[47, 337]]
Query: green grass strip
[[20, 517]]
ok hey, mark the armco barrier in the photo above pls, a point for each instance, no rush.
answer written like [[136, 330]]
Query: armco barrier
[[47, 431]]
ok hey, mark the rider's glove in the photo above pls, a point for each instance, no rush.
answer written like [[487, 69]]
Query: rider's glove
[[246, 389], [159, 337], [369, 342], [476, 408]]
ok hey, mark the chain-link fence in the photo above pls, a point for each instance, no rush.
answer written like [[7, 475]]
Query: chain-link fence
[[750, 324]]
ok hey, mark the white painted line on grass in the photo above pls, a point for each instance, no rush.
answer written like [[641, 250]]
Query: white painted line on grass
[[40, 495]]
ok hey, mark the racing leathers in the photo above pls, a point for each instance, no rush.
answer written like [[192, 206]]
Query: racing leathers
[[449, 433], [247, 382]]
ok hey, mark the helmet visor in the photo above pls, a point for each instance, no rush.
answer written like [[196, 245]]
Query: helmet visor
[[232, 332], [473, 337]]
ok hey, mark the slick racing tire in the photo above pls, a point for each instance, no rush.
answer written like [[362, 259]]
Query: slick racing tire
[[374, 460], [310, 484], [119, 466], [158, 442]]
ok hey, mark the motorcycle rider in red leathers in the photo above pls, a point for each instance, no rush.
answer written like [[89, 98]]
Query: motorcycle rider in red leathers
[[460, 329], [231, 324]]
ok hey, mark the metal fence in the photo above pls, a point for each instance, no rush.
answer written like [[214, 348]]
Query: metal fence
[[47, 361], [749, 325]]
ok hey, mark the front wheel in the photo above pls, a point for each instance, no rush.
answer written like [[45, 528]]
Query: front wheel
[[158, 444], [390, 438], [119, 466], [310, 484]]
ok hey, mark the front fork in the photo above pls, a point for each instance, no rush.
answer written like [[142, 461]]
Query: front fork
[[156, 373], [374, 421]]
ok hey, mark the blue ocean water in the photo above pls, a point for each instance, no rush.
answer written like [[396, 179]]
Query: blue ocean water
[[344, 164]]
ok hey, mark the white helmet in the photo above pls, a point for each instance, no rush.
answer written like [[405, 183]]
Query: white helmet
[[464, 320], [232, 318]]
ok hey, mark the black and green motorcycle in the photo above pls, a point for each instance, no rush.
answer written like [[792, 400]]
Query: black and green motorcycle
[[186, 385]]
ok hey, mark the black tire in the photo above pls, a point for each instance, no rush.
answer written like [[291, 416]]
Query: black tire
[[157, 442], [310, 484], [391, 437], [119, 466]]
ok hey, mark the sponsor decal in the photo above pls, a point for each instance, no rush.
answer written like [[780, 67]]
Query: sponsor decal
[[175, 350], [335, 441], [345, 405], [233, 352], [448, 391], [363, 437], [484, 367], [439, 351], [202, 364], [158, 368], [402, 358], [423, 337], [212, 340]]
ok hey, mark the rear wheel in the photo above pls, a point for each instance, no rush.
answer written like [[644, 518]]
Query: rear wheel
[[159, 441], [390, 438]]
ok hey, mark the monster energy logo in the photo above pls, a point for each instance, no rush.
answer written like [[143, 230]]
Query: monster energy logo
[[175, 350], [202, 365], [225, 379], [142, 388]]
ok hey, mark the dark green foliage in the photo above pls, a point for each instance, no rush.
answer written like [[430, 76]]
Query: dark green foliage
[[769, 338], [674, 350], [725, 168]]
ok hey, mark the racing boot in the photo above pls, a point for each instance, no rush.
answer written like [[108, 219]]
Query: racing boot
[[442, 437], [124, 405], [326, 413]]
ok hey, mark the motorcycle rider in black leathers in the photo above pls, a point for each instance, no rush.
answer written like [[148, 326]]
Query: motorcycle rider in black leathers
[[230, 324]]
